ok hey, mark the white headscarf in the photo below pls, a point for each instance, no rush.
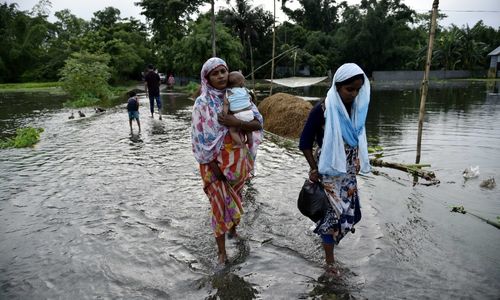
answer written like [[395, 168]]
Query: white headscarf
[[340, 128]]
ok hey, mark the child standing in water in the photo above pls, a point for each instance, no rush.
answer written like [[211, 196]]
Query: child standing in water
[[133, 110], [238, 102]]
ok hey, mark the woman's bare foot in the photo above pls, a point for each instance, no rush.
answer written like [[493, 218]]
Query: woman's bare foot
[[222, 258], [332, 271]]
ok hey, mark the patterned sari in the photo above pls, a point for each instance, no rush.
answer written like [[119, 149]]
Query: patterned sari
[[342, 191], [225, 196], [211, 141]]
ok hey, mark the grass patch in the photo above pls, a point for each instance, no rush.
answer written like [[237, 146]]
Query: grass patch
[[25, 137], [29, 85]]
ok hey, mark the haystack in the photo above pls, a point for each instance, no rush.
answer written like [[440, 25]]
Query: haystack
[[284, 114]]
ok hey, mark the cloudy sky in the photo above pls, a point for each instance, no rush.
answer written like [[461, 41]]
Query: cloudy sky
[[460, 12]]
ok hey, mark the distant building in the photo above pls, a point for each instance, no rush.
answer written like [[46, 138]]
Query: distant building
[[494, 69]]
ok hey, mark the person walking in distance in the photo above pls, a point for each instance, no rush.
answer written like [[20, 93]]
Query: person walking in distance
[[152, 88]]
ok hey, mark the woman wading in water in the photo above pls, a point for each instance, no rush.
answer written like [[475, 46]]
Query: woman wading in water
[[337, 125], [224, 168]]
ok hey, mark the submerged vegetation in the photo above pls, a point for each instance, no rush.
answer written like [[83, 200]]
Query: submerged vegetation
[[462, 210], [25, 137]]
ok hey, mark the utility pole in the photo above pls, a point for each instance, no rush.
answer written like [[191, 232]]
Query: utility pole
[[425, 81]]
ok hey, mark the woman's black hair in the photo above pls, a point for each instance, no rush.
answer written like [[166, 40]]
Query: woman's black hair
[[351, 80]]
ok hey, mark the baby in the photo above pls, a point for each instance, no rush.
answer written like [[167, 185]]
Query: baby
[[238, 101]]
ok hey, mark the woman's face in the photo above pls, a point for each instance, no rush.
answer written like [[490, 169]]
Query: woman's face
[[349, 91], [218, 77]]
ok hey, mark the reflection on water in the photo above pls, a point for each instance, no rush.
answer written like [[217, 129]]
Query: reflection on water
[[93, 211]]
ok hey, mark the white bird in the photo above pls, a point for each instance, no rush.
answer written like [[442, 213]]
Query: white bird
[[471, 172]]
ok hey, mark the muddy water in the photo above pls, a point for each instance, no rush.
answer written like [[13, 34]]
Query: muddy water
[[94, 212]]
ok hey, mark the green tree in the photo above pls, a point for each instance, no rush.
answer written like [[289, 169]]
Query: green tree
[[193, 50], [85, 77], [315, 15], [315, 49], [472, 51], [124, 40], [169, 18], [447, 49], [23, 43], [251, 24], [68, 29], [378, 37]]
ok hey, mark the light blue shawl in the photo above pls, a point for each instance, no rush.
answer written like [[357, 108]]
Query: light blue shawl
[[339, 128]]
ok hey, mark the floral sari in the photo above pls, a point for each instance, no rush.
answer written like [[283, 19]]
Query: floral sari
[[211, 141]]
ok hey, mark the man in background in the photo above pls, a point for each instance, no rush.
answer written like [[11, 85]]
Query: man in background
[[152, 87]]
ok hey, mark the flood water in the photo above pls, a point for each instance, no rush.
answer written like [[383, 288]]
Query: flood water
[[94, 212]]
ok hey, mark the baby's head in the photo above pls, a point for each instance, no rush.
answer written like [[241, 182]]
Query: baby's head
[[236, 79]]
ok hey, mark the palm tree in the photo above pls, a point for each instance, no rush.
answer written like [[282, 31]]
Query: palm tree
[[472, 52], [244, 19], [448, 46]]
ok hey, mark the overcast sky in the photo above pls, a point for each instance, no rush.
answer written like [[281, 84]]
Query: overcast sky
[[460, 12]]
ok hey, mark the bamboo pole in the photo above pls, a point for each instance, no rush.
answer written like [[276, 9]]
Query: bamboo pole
[[251, 61], [425, 81], [412, 169], [274, 46], [214, 53], [280, 55]]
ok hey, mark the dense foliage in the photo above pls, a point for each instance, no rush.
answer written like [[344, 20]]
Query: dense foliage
[[85, 77], [377, 34]]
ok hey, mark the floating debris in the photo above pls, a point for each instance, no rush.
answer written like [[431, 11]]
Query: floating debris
[[488, 183], [458, 209], [461, 209]]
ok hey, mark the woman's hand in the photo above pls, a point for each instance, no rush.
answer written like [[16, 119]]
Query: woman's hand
[[228, 120], [314, 175]]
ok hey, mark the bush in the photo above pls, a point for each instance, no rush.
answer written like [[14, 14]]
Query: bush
[[191, 87], [85, 77]]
